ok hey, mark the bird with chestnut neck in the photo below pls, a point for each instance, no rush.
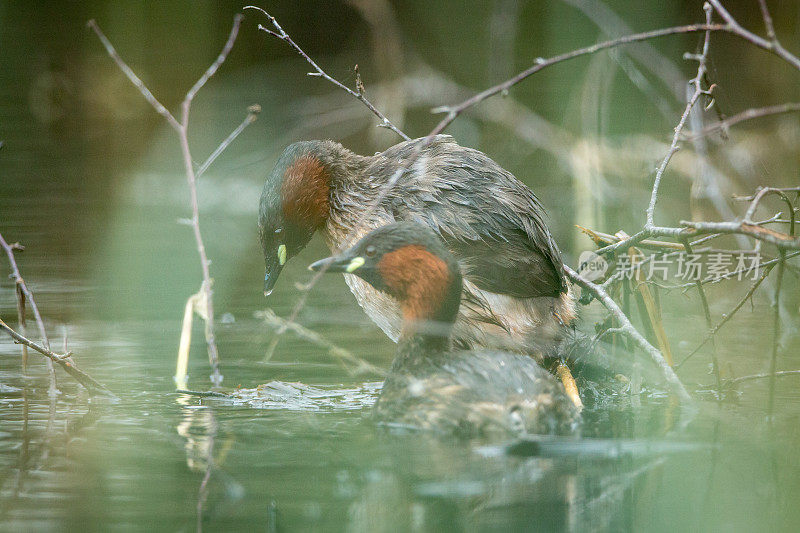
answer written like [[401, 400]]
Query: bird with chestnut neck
[[431, 386], [516, 295]]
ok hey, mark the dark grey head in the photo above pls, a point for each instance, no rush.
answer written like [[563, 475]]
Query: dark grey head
[[295, 202], [409, 262]]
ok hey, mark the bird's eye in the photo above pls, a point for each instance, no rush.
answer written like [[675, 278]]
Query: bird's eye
[[279, 230], [370, 251]]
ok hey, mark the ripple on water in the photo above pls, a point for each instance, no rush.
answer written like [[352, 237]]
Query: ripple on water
[[295, 396]]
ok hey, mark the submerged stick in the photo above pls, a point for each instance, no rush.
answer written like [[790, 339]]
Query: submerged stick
[[24, 295], [63, 360], [278, 323], [771, 375], [202, 394], [21, 319]]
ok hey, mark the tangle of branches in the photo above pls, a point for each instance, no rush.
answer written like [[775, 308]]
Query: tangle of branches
[[678, 237]]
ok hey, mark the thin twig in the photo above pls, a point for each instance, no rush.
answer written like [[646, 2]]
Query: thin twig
[[707, 313], [452, 112], [152, 100], [274, 321], [776, 329], [760, 194], [697, 81], [779, 239], [252, 115], [771, 45], [213, 353], [713, 331], [607, 331], [223, 55], [280, 34], [606, 238], [751, 197], [767, 21], [633, 240], [749, 114], [745, 227]]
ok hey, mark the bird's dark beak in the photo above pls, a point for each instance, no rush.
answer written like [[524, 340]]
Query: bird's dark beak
[[271, 275], [337, 263]]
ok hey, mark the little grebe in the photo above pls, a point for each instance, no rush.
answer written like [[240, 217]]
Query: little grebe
[[515, 293], [430, 386]]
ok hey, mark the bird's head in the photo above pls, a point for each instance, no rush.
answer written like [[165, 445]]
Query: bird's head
[[295, 202], [409, 262]]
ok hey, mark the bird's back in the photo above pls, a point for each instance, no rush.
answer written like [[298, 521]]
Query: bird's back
[[491, 221], [474, 393]]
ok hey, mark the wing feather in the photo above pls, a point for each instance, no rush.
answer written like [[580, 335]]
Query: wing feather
[[493, 223]]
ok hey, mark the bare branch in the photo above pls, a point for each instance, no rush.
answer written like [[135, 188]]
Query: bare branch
[[63, 360], [158, 106], [781, 240], [210, 71], [25, 296], [770, 45], [452, 112], [762, 192], [697, 81], [749, 114], [252, 115], [279, 33], [630, 331], [767, 21], [633, 240]]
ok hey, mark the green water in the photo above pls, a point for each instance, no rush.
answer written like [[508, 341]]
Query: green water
[[91, 184]]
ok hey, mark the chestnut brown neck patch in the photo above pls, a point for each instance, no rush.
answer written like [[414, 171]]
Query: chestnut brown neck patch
[[419, 279], [305, 192]]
